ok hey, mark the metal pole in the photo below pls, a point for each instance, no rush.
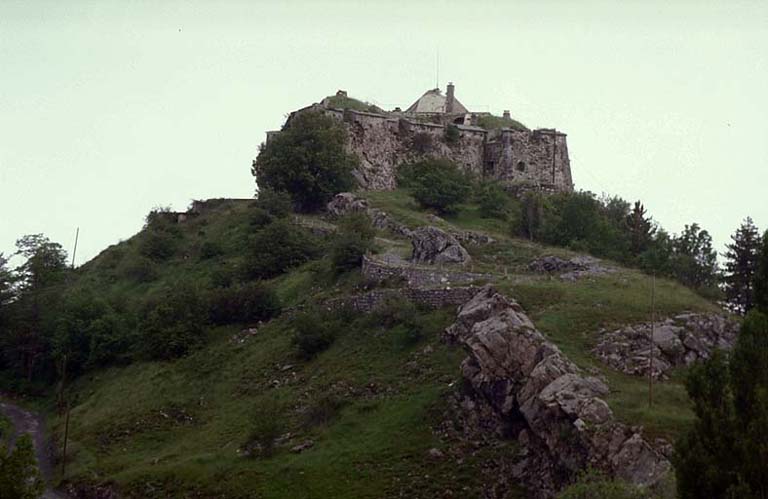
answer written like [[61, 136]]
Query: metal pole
[[74, 251]]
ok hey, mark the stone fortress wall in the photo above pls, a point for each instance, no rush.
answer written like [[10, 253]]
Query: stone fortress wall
[[529, 159]]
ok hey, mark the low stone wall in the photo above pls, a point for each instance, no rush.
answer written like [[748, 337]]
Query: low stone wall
[[414, 276], [430, 298]]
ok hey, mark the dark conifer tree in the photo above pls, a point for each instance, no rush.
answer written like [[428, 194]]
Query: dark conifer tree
[[741, 266], [641, 229], [761, 276]]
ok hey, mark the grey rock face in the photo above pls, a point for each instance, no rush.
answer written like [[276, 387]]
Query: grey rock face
[[677, 341], [345, 203], [571, 269], [433, 245], [562, 419]]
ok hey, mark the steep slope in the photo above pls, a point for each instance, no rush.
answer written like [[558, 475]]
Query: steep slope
[[374, 415]]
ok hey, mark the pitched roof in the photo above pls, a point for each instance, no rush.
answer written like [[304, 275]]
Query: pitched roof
[[433, 101]]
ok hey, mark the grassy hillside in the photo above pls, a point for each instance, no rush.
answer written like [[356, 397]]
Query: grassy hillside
[[367, 408]]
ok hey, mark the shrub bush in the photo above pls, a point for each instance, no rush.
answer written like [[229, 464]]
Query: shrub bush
[[158, 243], [247, 303], [266, 427], [452, 134], [278, 247], [354, 239], [442, 188], [172, 322], [323, 410], [314, 331], [137, 268], [493, 200]]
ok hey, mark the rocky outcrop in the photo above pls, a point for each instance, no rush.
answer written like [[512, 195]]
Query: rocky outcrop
[[571, 269], [433, 245], [677, 341], [557, 412], [345, 203]]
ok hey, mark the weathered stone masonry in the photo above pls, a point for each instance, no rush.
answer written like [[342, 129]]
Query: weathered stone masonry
[[517, 158]]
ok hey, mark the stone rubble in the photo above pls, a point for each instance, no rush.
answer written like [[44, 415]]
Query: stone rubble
[[677, 341], [557, 413], [571, 269]]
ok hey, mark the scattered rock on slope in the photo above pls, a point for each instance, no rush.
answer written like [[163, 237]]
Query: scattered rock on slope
[[680, 340], [433, 245], [571, 269], [558, 414]]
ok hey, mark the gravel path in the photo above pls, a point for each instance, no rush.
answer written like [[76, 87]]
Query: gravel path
[[27, 422]]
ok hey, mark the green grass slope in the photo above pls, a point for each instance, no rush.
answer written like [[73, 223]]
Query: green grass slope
[[368, 406]]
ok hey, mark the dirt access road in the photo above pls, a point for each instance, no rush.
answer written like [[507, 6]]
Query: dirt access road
[[27, 422]]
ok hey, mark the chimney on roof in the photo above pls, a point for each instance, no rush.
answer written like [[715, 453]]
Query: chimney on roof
[[506, 114], [449, 98]]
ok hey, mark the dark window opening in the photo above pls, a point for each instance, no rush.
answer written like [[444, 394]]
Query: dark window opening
[[520, 166]]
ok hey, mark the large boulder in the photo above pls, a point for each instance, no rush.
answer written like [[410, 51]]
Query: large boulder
[[432, 245], [345, 203], [558, 412]]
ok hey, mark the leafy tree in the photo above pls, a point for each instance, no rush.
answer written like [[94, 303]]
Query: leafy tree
[[641, 229], [279, 246], [307, 159], [761, 276], [19, 475], [694, 260], [354, 240], [492, 199], [724, 454], [741, 266], [277, 204], [45, 262], [442, 187]]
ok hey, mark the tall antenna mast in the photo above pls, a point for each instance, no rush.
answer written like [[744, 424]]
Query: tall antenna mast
[[74, 251]]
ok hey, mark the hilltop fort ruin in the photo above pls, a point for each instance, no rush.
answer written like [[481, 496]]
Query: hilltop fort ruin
[[438, 125]]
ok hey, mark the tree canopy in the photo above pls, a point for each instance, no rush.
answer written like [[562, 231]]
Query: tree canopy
[[308, 160]]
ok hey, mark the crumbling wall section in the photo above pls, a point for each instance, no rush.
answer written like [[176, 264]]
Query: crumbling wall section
[[537, 158]]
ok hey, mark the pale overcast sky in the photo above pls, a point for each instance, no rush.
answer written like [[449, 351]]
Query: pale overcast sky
[[108, 108]]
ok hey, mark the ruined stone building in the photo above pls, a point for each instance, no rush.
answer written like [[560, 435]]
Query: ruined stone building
[[488, 146]]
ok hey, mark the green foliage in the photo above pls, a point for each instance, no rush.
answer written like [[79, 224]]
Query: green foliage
[[307, 160], [278, 247], [761, 276], [19, 476], [159, 242], [452, 134], [323, 410], [344, 102], [88, 332], [276, 204], [641, 229], [45, 262], [437, 183], [491, 122], [694, 262], [592, 484], [741, 266], [493, 200], [172, 322], [355, 239], [137, 268], [242, 304], [266, 427], [723, 454], [315, 330]]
